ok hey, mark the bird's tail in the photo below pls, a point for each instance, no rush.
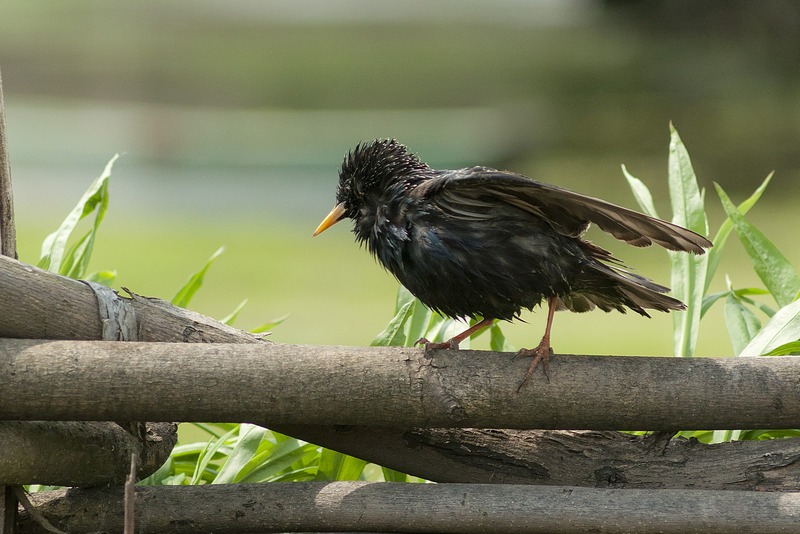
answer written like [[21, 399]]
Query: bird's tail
[[612, 287]]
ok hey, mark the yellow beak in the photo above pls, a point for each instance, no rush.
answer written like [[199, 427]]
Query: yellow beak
[[336, 215]]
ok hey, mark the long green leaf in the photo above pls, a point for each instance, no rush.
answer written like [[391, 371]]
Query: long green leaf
[[772, 267], [390, 475], [724, 231], [793, 347], [207, 455], [273, 466], [337, 466], [55, 245], [418, 323], [195, 282], [250, 437], [232, 316], [782, 328], [393, 334], [741, 323], [641, 192], [688, 270], [269, 325]]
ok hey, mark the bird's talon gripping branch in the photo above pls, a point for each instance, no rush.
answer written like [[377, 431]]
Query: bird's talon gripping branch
[[540, 355]]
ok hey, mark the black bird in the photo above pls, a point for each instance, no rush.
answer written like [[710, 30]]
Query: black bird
[[483, 243]]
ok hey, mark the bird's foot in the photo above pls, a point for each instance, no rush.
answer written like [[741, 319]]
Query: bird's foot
[[449, 344], [540, 355]]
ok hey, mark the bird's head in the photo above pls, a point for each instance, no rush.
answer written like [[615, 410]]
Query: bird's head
[[368, 172]]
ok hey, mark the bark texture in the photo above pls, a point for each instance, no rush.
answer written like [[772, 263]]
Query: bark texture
[[388, 507]]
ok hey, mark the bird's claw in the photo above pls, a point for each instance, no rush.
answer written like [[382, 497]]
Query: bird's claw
[[541, 354]]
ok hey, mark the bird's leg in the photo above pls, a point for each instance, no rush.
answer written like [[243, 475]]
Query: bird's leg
[[453, 342], [543, 351]]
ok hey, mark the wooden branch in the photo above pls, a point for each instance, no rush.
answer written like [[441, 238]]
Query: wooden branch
[[387, 507], [388, 386], [36, 304], [8, 232], [79, 453], [568, 457]]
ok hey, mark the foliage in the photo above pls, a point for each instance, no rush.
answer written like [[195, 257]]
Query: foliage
[[413, 321], [691, 279], [249, 453], [73, 262]]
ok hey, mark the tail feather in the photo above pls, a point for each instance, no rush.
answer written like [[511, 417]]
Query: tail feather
[[613, 288]]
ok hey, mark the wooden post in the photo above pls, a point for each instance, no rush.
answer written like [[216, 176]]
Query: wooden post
[[8, 247], [8, 234], [8, 510]]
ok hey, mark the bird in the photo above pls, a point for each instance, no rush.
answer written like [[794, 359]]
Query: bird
[[485, 244]]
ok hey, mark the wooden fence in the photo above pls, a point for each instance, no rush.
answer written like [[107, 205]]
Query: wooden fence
[[546, 459]]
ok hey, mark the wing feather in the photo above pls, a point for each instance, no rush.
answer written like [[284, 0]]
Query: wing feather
[[473, 193]]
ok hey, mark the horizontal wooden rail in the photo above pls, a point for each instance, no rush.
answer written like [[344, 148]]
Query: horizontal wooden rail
[[387, 386], [388, 507]]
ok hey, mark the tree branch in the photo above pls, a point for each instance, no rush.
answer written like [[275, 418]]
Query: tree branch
[[567, 457], [387, 507], [91, 453], [388, 386], [37, 304]]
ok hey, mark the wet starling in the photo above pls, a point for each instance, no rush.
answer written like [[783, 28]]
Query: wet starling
[[483, 243]]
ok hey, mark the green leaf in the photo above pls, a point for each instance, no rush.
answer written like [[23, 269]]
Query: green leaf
[[641, 193], [207, 455], [498, 341], [195, 282], [770, 264], [232, 316], [404, 296], [269, 325], [724, 231], [418, 324], [688, 270], [55, 245], [687, 202], [278, 468], [105, 278], [451, 328], [741, 294], [393, 334], [159, 478], [722, 436], [337, 466], [176, 480], [250, 437], [742, 324], [390, 475], [791, 348], [782, 328]]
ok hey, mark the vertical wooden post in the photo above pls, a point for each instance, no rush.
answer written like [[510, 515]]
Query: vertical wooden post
[[8, 510], [8, 247], [8, 233]]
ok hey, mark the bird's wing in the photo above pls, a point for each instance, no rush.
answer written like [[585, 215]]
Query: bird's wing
[[472, 193]]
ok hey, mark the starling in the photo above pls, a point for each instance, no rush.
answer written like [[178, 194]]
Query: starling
[[484, 243]]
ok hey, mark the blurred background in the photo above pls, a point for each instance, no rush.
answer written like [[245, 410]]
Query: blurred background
[[233, 117]]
